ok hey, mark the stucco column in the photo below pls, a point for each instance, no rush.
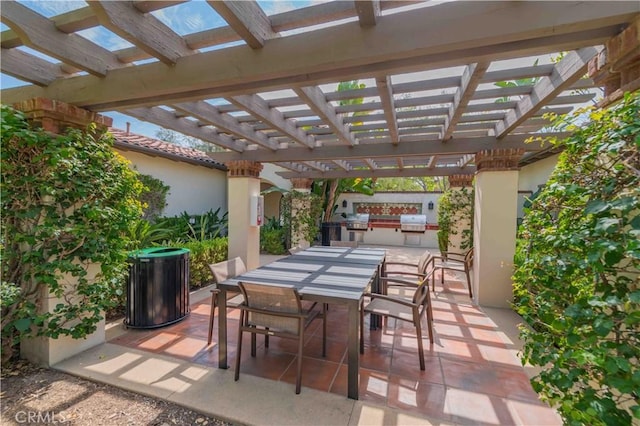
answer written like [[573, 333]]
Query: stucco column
[[55, 117], [301, 185], [495, 216], [243, 183], [458, 183]]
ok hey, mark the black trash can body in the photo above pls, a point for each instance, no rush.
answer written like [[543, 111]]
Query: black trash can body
[[158, 287], [330, 231]]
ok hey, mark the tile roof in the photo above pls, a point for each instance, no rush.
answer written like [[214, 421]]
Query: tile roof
[[134, 142]]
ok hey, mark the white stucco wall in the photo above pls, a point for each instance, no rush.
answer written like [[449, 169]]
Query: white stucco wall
[[536, 174], [194, 189]]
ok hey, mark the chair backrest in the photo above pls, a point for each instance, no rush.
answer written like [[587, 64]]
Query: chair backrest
[[468, 257], [266, 302], [336, 243], [227, 269], [424, 261]]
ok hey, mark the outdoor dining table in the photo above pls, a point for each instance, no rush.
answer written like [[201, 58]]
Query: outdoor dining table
[[334, 275]]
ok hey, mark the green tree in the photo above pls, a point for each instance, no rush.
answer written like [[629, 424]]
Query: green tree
[[67, 203], [423, 183], [174, 137], [576, 282], [153, 196], [330, 189]]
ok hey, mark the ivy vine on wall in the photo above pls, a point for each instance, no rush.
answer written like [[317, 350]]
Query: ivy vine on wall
[[301, 213], [455, 215], [67, 203], [576, 282]]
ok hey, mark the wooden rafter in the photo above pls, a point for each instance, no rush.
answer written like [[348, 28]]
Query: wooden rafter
[[227, 123], [259, 108], [188, 127], [368, 12], [40, 34], [470, 80], [31, 68], [247, 19], [141, 29], [565, 73], [314, 97]]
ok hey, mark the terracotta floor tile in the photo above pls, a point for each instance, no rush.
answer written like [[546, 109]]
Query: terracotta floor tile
[[316, 374], [472, 376], [408, 365], [487, 379], [373, 385], [417, 397]]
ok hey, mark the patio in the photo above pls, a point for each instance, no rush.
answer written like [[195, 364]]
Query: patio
[[473, 374]]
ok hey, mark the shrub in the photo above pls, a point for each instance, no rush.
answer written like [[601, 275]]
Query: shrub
[[67, 203], [202, 253], [577, 266], [153, 196], [272, 237]]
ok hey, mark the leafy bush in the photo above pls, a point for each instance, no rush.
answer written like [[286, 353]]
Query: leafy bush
[[153, 196], [272, 237], [67, 203], [577, 266], [202, 253], [455, 206], [196, 227]]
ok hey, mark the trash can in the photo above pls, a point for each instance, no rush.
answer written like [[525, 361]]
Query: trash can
[[158, 287], [330, 231]]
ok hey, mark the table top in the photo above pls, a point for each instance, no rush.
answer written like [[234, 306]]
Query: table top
[[331, 274], [369, 256]]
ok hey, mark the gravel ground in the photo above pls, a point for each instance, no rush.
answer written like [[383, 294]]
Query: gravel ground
[[32, 395]]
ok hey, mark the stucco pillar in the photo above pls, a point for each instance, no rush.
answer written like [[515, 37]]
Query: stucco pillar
[[243, 183], [495, 216], [459, 223], [302, 185], [55, 117]]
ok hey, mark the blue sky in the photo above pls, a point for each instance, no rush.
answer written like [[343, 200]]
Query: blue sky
[[185, 18]]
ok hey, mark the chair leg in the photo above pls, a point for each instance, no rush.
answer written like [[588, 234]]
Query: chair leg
[[430, 322], [239, 350], [325, 308], [466, 271], [361, 328], [419, 336], [253, 344], [266, 339], [299, 371], [214, 301]]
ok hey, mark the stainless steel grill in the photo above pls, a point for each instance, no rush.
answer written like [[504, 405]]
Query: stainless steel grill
[[413, 223], [358, 222]]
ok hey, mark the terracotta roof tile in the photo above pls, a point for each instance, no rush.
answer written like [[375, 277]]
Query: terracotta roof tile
[[172, 151]]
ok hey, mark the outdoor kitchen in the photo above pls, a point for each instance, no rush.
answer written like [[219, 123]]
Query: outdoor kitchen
[[402, 219]]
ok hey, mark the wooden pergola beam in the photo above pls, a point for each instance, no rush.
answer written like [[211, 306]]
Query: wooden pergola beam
[[566, 72], [381, 173], [40, 34], [368, 12], [457, 146], [141, 29], [227, 123], [247, 19], [23, 65], [442, 35], [315, 99]]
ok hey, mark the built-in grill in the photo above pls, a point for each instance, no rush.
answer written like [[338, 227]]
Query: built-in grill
[[415, 223], [357, 222]]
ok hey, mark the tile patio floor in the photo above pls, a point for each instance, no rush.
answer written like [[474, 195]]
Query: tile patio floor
[[473, 375]]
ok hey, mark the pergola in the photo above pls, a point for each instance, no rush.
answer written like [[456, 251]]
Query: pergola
[[264, 87]]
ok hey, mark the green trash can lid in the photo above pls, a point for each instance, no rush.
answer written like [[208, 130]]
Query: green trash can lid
[[158, 252]]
